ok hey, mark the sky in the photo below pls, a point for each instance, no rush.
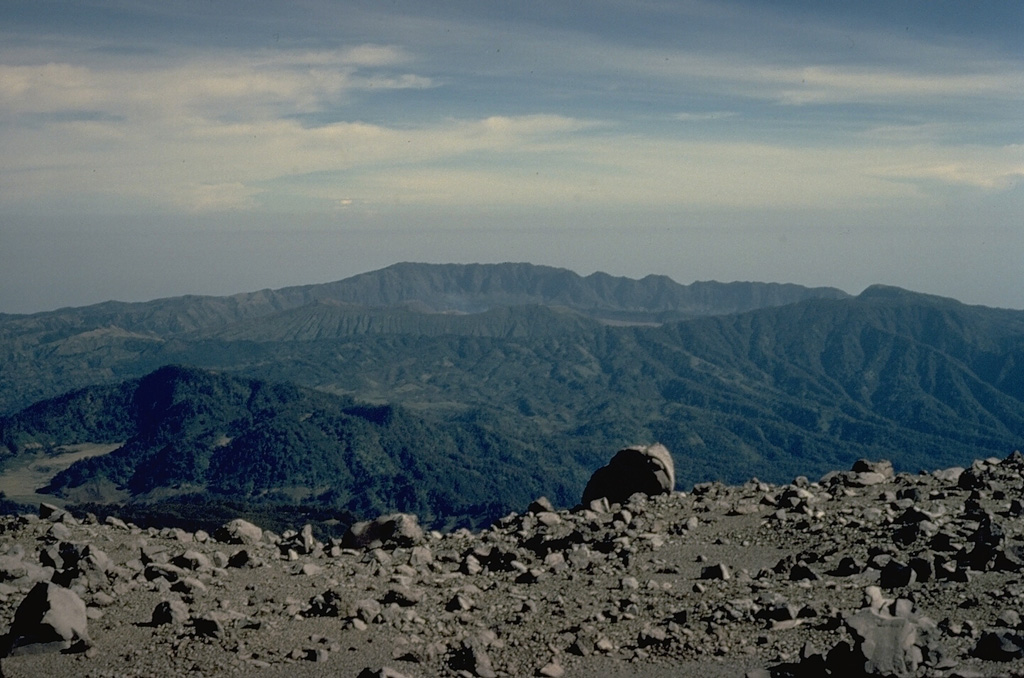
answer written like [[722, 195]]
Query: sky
[[151, 149]]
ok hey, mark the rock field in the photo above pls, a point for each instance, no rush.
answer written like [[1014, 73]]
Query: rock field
[[864, 572]]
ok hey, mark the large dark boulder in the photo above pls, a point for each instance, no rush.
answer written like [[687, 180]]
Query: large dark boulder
[[51, 618], [645, 469]]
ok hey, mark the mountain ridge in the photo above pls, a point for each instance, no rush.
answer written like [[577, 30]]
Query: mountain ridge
[[205, 436], [794, 390], [52, 352]]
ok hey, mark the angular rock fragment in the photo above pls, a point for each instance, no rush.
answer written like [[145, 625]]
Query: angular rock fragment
[[1000, 646], [719, 571], [385, 672], [551, 670], [471, 656], [14, 568], [889, 645], [238, 531], [397, 529], [193, 560], [539, 505], [173, 611], [51, 618], [208, 626], [896, 575]]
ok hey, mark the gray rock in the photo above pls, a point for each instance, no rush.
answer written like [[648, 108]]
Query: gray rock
[[366, 609], [385, 672], [241, 558], [171, 573], [551, 670], [472, 656], [49, 619], [116, 523], [397, 529], [193, 560], [539, 505], [208, 626], [49, 511], [1000, 646], [896, 575], [889, 645], [238, 531], [645, 469], [15, 568], [719, 571], [1009, 619], [883, 467], [173, 611], [420, 556], [306, 536]]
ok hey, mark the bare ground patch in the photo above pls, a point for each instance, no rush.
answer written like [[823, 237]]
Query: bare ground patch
[[20, 481]]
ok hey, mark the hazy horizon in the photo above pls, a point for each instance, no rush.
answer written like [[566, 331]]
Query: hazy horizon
[[153, 149]]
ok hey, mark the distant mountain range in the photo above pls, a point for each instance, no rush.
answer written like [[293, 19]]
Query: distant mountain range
[[46, 354], [556, 371]]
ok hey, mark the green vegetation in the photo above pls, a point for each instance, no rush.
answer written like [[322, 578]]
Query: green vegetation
[[460, 417], [218, 438]]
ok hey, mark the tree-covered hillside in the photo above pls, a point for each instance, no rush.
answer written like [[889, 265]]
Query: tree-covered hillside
[[542, 395], [47, 354], [214, 436]]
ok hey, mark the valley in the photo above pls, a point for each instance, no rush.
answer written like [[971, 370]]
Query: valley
[[20, 481], [501, 382]]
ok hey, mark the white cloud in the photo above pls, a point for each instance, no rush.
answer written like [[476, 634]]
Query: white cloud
[[220, 132], [198, 163], [214, 85], [50, 87], [819, 84], [219, 197], [986, 168], [704, 117]]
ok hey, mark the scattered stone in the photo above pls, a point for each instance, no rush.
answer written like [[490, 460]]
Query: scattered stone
[[385, 672], [238, 531], [888, 645], [826, 578], [1000, 646], [541, 505], [719, 571], [208, 626], [173, 611], [472, 657], [1009, 619], [397, 529], [551, 670]]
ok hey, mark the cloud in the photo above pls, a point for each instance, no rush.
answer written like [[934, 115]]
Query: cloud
[[276, 82], [202, 163], [980, 167], [820, 84], [50, 87], [219, 197], [251, 129], [704, 117]]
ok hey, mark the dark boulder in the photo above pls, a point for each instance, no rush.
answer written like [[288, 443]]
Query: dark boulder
[[397, 529], [644, 469], [1000, 646], [51, 618]]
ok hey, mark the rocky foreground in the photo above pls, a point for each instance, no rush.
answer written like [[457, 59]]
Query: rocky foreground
[[864, 572]]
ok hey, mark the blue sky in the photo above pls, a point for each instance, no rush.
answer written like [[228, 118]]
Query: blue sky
[[211, 146]]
